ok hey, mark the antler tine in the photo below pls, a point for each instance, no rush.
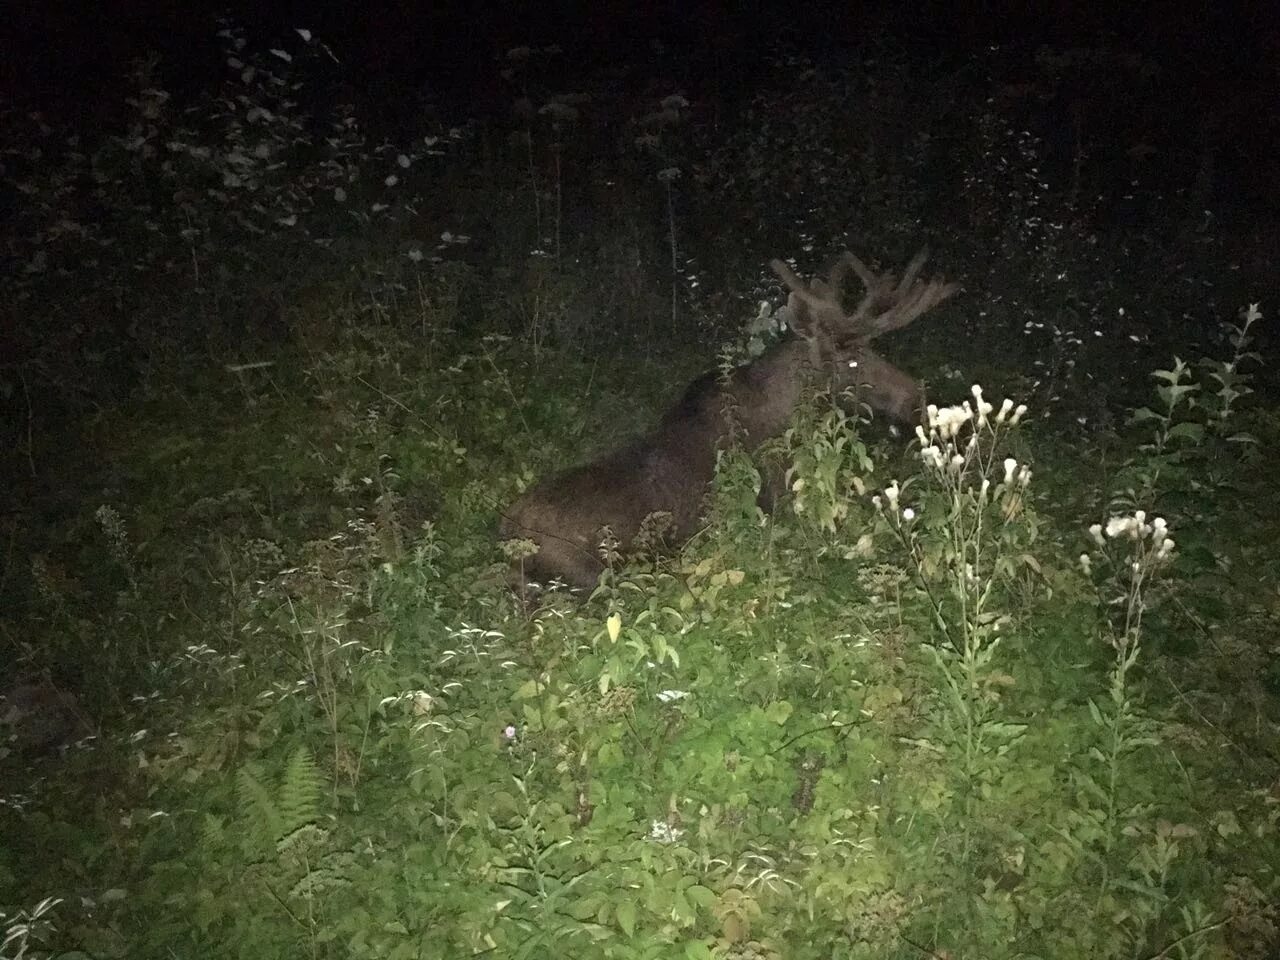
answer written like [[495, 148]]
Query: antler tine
[[913, 270], [921, 299]]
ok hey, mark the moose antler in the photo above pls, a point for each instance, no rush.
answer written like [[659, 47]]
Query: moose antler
[[888, 304]]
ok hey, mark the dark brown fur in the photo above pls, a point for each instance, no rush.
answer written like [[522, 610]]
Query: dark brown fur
[[669, 469]]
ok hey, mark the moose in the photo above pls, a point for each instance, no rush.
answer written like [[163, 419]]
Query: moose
[[668, 471]]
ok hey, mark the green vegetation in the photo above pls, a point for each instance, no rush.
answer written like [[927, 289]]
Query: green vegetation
[[1007, 688]]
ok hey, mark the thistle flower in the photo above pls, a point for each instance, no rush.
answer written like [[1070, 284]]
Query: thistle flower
[[1017, 414], [1086, 564], [891, 495], [1095, 531], [1119, 526], [1005, 407], [1010, 465]]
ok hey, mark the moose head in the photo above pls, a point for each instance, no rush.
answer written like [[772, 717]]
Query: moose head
[[668, 470]]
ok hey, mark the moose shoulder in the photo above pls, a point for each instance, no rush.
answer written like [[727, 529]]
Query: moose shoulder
[[668, 470]]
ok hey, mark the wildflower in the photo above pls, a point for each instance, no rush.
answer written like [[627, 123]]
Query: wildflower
[[1166, 548], [1024, 475], [891, 494], [1010, 465], [663, 832], [1005, 407], [1118, 526], [1086, 564], [1017, 414], [957, 462], [920, 435], [509, 732], [1095, 531], [908, 514]]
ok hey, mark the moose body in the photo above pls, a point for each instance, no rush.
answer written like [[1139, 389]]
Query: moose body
[[668, 470]]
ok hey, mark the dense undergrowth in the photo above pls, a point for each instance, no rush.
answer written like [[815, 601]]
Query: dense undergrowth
[[1004, 689]]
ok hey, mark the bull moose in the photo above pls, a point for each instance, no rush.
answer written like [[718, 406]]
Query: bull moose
[[668, 470]]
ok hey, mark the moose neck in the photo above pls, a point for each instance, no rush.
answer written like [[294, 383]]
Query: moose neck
[[767, 391]]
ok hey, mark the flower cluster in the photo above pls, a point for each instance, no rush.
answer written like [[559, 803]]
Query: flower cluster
[[946, 422], [960, 439], [942, 451], [1135, 527]]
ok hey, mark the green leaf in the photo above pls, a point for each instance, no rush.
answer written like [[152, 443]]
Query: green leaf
[[779, 712], [1186, 430], [626, 914]]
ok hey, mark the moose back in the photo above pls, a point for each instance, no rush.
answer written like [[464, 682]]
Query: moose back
[[669, 469]]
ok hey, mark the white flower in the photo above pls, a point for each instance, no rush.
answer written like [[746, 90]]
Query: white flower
[[1086, 564], [1004, 410], [1024, 475], [949, 420], [957, 462], [1010, 465], [1017, 414], [1118, 526], [663, 832], [1166, 548], [891, 494], [920, 435], [908, 514]]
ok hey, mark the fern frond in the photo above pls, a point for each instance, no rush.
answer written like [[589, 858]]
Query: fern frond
[[299, 793]]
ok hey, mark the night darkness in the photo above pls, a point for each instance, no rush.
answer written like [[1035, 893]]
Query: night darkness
[[639, 480]]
